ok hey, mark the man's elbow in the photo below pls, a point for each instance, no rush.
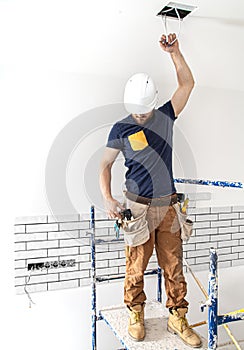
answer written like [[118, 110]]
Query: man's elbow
[[189, 86]]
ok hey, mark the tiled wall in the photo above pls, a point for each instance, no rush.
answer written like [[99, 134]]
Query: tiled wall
[[43, 239]]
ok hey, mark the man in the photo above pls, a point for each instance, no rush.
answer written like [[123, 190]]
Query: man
[[145, 139]]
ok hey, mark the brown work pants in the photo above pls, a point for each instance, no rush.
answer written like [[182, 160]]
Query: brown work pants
[[165, 236]]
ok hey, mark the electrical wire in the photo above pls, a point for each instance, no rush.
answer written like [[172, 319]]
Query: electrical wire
[[25, 288], [164, 18]]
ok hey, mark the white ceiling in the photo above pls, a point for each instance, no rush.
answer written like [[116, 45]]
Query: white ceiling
[[116, 38]]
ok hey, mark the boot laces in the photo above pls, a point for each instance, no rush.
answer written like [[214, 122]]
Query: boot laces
[[183, 322], [136, 315]]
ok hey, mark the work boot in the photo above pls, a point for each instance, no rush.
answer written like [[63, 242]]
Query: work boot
[[177, 324], [136, 328]]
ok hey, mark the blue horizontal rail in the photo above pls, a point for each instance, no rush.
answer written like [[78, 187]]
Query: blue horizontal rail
[[230, 318], [210, 183]]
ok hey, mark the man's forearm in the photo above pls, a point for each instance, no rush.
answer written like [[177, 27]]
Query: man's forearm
[[184, 75], [105, 182]]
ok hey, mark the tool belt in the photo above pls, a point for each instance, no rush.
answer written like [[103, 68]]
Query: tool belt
[[154, 202]]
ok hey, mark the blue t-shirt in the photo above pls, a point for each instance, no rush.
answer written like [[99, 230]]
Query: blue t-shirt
[[147, 150]]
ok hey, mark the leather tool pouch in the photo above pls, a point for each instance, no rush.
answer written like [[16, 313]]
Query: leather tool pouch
[[186, 224], [136, 231]]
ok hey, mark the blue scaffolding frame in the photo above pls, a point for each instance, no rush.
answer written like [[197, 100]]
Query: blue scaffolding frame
[[214, 320]]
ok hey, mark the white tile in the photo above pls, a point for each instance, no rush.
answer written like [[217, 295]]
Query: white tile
[[63, 269], [82, 258], [27, 237], [101, 263], [237, 222], [200, 239], [19, 246], [238, 208], [207, 245], [85, 265], [237, 262], [41, 228], [19, 229], [66, 226], [19, 281], [30, 254], [230, 257], [104, 224], [239, 249], [62, 251], [120, 262], [121, 270], [200, 267], [202, 260], [226, 250], [231, 243], [73, 242], [189, 246], [228, 216], [42, 287], [206, 231], [41, 260], [32, 289], [194, 253], [107, 255], [43, 278], [201, 224], [84, 282], [223, 223], [205, 217], [18, 264], [42, 245], [230, 229], [107, 271], [63, 235], [21, 272], [84, 249], [237, 235], [122, 254], [226, 236]]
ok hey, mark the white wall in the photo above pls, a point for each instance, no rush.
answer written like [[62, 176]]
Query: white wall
[[61, 58]]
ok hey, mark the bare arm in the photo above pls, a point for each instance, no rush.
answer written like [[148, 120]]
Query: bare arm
[[184, 75], [111, 204]]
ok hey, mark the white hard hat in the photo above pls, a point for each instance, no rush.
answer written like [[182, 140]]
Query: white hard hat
[[140, 94]]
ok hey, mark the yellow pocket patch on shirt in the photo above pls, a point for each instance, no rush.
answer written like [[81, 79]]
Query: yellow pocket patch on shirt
[[138, 141]]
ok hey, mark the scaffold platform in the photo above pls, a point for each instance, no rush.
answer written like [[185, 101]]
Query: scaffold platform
[[157, 336]]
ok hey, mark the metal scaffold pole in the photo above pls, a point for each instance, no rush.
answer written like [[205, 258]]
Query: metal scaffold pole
[[93, 278], [213, 302]]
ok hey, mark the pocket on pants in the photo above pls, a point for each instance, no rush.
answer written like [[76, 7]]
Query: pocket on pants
[[136, 231]]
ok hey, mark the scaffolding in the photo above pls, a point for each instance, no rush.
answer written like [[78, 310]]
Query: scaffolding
[[116, 317], [156, 315]]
